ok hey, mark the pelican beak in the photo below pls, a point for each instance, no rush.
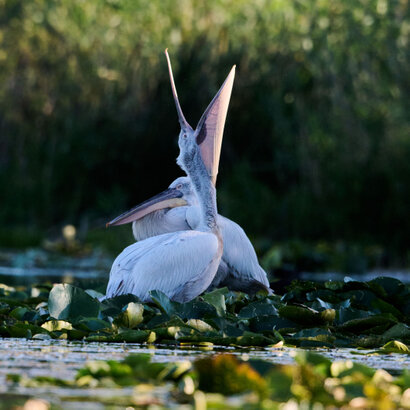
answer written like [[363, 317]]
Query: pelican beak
[[210, 128], [182, 121], [170, 198]]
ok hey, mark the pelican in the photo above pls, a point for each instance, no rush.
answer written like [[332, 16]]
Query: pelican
[[181, 264], [178, 208]]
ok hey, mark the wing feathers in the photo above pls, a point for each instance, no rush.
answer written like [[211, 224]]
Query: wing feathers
[[166, 263]]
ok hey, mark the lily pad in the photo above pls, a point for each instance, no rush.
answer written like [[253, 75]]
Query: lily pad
[[68, 302], [131, 315], [394, 346]]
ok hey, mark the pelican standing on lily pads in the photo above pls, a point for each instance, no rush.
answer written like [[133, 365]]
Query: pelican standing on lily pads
[[177, 208]]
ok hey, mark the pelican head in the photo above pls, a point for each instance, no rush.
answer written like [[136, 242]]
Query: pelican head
[[205, 140], [184, 185]]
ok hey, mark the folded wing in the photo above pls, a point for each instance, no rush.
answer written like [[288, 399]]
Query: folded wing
[[171, 263]]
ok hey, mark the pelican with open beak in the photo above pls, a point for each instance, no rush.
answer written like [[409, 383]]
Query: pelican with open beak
[[208, 135], [180, 264]]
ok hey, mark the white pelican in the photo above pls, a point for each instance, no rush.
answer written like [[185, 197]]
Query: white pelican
[[177, 208], [181, 264]]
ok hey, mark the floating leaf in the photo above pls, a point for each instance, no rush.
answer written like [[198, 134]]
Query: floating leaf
[[92, 324], [200, 325], [257, 309], [41, 336], [53, 325], [302, 315], [398, 331], [190, 310], [270, 324], [216, 298], [113, 306], [131, 315], [358, 325], [68, 302], [25, 330], [394, 346], [94, 294], [254, 339]]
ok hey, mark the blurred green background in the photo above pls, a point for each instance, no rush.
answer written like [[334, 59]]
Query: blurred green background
[[316, 155]]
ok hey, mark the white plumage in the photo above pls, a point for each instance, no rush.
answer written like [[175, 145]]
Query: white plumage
[[184, 263], [174, 263], [239, 268], [160, 222]]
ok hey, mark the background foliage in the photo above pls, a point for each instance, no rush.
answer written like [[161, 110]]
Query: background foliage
[[317, 139]]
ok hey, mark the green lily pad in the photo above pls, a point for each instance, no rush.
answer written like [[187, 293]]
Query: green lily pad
[[25, 330], [131, 315], [67, 302], [191, 310], [301, 315], [394, 346], [113, 306], [53, 325], [255, 339], [216, 298], [92, 324], [257, 309], [358, 325], [398, 331]]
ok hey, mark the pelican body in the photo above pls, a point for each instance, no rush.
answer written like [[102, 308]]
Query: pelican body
[[239, 268], [181, 264]]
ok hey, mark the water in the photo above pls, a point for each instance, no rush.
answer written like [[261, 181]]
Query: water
[[62, 359], [38, 266], [402, 275]]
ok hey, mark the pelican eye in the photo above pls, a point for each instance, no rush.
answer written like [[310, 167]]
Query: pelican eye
[[179, 186], [184, 135]]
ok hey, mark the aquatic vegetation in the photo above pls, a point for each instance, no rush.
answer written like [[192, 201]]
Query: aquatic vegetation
[[373, 314], [224, 380]]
